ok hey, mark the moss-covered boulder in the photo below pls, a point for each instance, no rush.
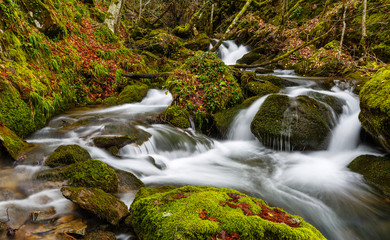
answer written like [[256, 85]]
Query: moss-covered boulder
[[375, 107], [115, 141], [263, 71], [104, 205], [300, 123], [183, 31], [382, 51], [91, 173], [133, 93], [177, 116], [256, 88], [66, 155], [374, 169], [11, 142], [208, 213]]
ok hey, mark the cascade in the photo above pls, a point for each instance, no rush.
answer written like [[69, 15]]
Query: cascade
[[315, 185]]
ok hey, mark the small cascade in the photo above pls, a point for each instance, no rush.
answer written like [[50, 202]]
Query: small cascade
[[240, 128], [230, 52]]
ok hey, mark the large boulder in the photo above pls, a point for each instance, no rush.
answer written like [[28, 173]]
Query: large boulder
[[104, 205], [256, 88], [374, 169], [375, 107], [211, 213], [177, 116], [299, 123], [66, 155]]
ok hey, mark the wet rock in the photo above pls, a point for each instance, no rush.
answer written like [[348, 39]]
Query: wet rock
[[133, 93], [375, 169], [128, 182], [115, 141], [300, 123], [100, 235], [42, 215], [67, 154], [334, 102], [60, 228], [10, 142], [263, 71], [102, 204], [375, 107], [165, 212]]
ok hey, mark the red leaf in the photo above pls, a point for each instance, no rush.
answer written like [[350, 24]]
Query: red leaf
[[203, 214], [213, 219]]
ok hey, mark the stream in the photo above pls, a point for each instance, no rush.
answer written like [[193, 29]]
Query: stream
[[316, 185]]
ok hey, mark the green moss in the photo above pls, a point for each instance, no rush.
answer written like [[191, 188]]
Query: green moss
[[102, 204], [162, 214], [183, 31], [277, 81], [374, 169], [133, 93], [375, 107], [201, 42], [12, 143], [177, 116], [261, 89], [93, 174], [67, 154], [115, 141], [110, 101]]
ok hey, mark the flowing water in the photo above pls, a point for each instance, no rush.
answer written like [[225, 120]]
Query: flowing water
[[315, 185]]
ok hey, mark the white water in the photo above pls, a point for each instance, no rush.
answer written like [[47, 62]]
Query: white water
[[230, 52], [315, 185]]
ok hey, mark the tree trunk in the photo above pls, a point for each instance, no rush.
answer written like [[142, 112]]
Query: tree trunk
[[232, 25], [345, 6], [114, 15], [364, 28]]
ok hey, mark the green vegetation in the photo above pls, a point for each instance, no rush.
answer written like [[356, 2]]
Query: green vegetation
[[177, 116], [204, 212], [133, 93], [11, 142]]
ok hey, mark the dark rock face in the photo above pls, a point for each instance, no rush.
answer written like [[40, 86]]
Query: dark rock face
[[300, 123]]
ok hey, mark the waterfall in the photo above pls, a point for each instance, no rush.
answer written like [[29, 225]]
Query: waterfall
[[230, 52]]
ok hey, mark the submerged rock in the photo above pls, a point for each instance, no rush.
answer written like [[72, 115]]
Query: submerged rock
[[375, 107], [66, 155], [300, 123], [374, 169], [207, 213], [104, 205], [100, 235]]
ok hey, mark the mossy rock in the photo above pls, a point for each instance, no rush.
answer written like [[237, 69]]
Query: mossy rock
[[110, 101], [115, 141], [205, 212], [91, 173], [177, 116], [66, 155], [183, 31], [160, 42], [375, 107], [94, 200], [374, 169], [128, 181], [261, 88], [201, 42], [11, 142], [334, 102], [250, 58], [224, 119], [133, 93], [277, 81], [300, 123]]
